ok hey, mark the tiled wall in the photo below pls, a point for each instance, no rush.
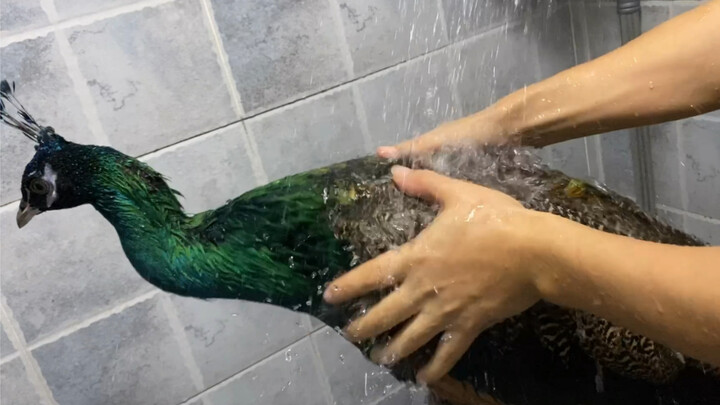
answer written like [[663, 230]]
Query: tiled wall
[[224, 95], [686, 153]]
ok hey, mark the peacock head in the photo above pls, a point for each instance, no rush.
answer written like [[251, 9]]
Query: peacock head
[[54, 178]]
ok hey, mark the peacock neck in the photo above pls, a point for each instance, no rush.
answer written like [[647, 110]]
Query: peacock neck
[[141, 211], [148, 218]]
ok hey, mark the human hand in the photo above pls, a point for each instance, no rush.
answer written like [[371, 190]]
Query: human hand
[[471, 268], [478, 129]]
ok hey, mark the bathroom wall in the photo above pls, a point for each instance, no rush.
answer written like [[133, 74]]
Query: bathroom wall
[[685, 153], [222, 96]]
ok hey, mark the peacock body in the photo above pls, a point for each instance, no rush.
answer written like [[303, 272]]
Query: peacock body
[[283, 242]]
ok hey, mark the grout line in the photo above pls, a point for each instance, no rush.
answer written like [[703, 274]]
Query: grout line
[[344, 46], [10, 357], [350, 72], [251, 148], [598, 156], [95, 318], [679, 137], [222, 57], [230, 379], [32, 368], [362, 117], [577, 62], [183, 343], [693, 215], [573, 34], [320, 370], [73, 68], [247, 138], [395, 390], [454, 74], [249, 141], [57, 24], [585, 35], [593, 141]]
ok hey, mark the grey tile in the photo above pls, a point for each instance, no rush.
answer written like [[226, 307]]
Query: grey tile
[[494, 65], [405, 102], [217, 328], [74, 8], [617, 162], [704, 228], [45, 89], [280, 50], [153, 76], [289, 377], [310, 134], [594, 156], [407, 396], [207, 170], [468, 18], [654, 15], [383, 32], [16, 388], [80, 270], [21, 15], [603, 28], [6, 346], [197, 402], [128, 358], [580, 34], [315, 323], [701, 145], [569, 157], [671, 218], [554, 36], [679, 8], [353, 379], [666, 164]]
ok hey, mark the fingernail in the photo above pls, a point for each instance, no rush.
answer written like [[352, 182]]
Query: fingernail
[[328, 295], [388, 152], [398, 170]]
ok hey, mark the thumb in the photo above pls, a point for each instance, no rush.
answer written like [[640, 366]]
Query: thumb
[[426, 184]]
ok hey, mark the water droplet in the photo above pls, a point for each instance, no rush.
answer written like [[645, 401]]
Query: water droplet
[[288, 355]]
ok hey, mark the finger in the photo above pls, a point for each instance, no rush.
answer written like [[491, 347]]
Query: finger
[[412, 337], [453, 344], [397, 307], [388, 152], [383, 271], [424, 144], [428, 185]]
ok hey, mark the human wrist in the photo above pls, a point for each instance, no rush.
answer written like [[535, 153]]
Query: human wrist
[[553, 254], [489, 127]]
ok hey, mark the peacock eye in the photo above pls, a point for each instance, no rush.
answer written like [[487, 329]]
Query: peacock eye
[[39, 186]]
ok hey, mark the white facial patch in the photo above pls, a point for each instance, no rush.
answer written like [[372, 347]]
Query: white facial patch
[[49, 175]]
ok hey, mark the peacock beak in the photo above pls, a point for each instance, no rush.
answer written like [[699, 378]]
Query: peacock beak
[[25, 214]]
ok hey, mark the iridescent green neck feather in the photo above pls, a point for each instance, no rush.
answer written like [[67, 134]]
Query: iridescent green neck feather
[[272, 244]]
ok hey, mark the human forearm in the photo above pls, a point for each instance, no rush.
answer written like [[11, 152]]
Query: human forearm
[[668, 293], [671, 72]]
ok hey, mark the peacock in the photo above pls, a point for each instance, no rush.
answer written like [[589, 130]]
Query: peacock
[[283, 242]]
